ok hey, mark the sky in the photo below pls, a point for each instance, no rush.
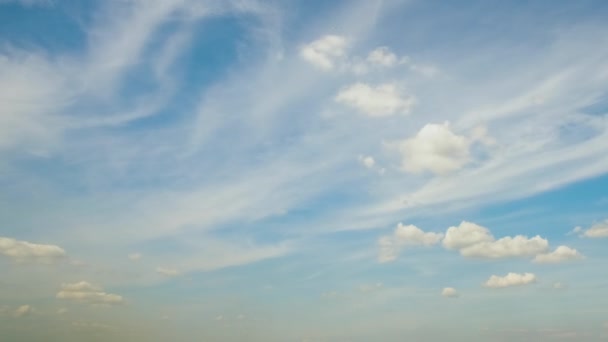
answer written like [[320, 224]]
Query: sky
[[242, 170]]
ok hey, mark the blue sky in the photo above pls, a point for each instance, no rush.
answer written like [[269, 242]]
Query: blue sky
[[303, 170]]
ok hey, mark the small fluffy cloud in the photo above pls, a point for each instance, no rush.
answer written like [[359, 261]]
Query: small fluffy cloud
[[473, 240], [410, 235], [367, 161], [87, 293], [324, 51], [22, 311], [598, 230], [450, 292], [167, 272], [560, 254], [26, 251], [435, 148], [511, 279], [382, 56], [381, 100]]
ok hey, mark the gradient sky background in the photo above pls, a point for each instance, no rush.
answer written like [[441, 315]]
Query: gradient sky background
[[241, 170]]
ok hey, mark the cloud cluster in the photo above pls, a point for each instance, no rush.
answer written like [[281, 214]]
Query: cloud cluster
[[598, 230], [23, 251], [473, 240], [511, 279], [410, 235], [84, 292]]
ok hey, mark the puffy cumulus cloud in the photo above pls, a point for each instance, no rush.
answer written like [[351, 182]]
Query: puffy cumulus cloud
[[511, 279], [167, 272], [22, 311], [507, 247], [466, 235], [410, 235], [27, 251], [85, 292], [382, 56], [435, 148], [381, 100], [324, 51], [450, 292], [598, 230], [475, 241], [560, 254]]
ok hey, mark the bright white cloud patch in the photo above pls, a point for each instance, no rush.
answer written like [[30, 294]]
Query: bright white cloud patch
[[435, 148], [598, 230], [473, 240], [167, 272], [410, 235], [450, 292], [27, 251], [560, 254], [85, 292], [324, 51], [381, 100], [511, 279], [382, 56]]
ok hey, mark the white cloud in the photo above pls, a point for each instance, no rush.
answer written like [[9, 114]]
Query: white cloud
[[435, 148], [167, 272], [466, 235], [27, 251], [511, 279], [518, 246], [85, 292], [598, 230], [450, 292], [382, 56], [561, 254], [473, 240], [367, 161], [410, 235], [134, 256], [23, 310], [324, 51], [381, 100]]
